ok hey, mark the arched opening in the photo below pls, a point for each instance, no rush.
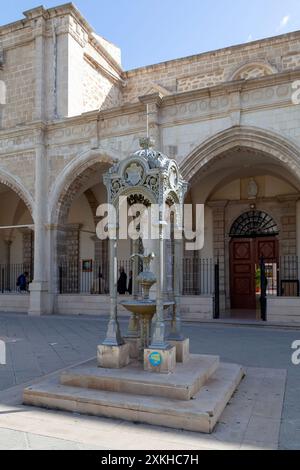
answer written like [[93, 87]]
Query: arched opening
[[16, 241], [254, 236], [254, 224], [249, 182], [81, 259]]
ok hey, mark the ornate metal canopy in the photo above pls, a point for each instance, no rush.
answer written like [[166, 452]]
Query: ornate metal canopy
[[254, 224], [146, 176]]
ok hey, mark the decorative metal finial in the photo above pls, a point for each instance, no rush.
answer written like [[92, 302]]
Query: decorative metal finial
[[146, 143]]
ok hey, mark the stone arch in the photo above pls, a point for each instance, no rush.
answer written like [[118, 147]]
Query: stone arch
[[17, 186], [75, 177], [252, 138], [251, 70], [22, 202]]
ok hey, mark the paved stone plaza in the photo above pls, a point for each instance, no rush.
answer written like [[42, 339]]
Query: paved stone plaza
[[40, 346]]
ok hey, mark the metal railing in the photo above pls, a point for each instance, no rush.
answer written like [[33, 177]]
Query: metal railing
[[9, 274], [282, 276], [198, 276], [88, 277]]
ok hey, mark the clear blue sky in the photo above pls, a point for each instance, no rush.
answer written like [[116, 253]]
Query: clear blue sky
[[151, 31]]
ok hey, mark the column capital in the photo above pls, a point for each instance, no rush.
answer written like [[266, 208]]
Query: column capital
[[153, 98]]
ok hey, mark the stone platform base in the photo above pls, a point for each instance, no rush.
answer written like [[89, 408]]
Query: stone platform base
[[132, 394], [181, 385]]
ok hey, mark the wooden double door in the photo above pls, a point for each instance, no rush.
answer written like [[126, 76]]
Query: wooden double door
[[245, 254]]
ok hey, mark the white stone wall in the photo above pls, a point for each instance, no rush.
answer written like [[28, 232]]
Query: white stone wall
[[284, 310]]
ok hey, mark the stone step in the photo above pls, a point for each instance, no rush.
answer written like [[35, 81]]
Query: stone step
[[183, 384], [200, 414]]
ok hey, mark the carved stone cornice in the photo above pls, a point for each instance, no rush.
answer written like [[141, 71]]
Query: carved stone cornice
[[232, 87], [288, 197], [153, 98]]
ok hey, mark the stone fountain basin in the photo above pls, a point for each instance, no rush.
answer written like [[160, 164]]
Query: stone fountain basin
[[144, 308]]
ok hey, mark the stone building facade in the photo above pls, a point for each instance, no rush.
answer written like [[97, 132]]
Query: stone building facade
[[229, 117]]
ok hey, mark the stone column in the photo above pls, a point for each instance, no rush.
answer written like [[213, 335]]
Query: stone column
[[113, 353], [39, 287], [218, 210], [39, 299], [8, 243]]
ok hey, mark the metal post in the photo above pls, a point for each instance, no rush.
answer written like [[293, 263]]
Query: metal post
[[263, 288], [113, 335], [176, 333], [99, 279], [60, 279], [217, 291], [2, 279], [133, 330], [158, 339]]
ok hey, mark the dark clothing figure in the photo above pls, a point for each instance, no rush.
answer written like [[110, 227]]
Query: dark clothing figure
[[130, 284], [22, 282], [122, 282]]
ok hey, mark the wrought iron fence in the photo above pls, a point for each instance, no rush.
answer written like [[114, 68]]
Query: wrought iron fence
[[282, 276], [288, 276], [198, 276], [9, 275], [89, 277]]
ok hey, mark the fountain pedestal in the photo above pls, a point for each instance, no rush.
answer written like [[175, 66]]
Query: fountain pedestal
[[145, 309], [113, 357], [160, 361], [154, 359], [182, 349]]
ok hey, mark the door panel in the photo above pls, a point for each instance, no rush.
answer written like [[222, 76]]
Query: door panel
[[268, 248], [245, 256], [242, 274]]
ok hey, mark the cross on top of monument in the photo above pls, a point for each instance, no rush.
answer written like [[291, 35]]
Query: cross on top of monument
[[146, 143]]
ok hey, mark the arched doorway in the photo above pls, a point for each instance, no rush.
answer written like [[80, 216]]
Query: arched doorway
[[236, 171], [254, 235]]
